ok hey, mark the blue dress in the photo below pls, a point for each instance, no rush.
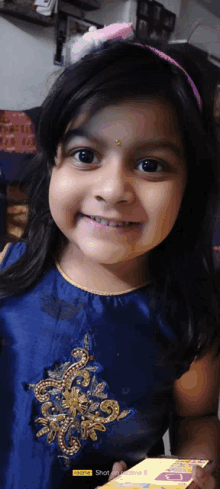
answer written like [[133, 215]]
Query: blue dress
[[80, 384]]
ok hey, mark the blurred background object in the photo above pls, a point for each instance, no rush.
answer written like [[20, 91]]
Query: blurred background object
[[154, 20]]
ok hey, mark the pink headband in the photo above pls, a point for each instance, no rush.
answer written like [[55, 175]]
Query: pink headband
[[82, 45], [171, 60]]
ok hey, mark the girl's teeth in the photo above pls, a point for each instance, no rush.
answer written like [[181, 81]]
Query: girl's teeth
[[112, 223]]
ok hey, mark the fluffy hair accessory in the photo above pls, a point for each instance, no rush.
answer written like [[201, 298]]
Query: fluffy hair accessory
[[91, 40]]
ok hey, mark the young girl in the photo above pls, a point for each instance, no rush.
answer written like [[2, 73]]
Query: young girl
[[110, 293]]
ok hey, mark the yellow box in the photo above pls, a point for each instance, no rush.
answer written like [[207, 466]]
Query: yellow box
[[82, 473], [158, 473]]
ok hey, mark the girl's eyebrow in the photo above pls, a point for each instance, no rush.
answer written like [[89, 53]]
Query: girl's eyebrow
[[148, 144], [73, 133]]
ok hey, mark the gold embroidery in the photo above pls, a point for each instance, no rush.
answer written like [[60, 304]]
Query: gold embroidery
[[71, 409]]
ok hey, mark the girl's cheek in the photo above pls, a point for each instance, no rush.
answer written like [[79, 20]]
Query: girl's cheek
[[162, 196]]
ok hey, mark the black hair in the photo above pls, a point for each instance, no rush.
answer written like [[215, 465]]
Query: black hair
[[181, 267]]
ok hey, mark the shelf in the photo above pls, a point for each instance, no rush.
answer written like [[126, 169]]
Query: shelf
[[27, 12], [87, 5]]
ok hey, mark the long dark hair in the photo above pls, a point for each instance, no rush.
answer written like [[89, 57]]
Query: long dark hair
[[182, 268]]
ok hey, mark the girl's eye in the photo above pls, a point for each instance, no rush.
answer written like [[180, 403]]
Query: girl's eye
[[86, 156], [150, 165]]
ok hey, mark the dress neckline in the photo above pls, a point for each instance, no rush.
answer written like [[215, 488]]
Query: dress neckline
[[94, 291]]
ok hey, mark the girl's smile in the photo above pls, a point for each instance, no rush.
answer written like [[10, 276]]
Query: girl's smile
[[111, 225], [94, 176]]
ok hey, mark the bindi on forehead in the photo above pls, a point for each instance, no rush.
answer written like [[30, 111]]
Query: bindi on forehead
[[153, 122]]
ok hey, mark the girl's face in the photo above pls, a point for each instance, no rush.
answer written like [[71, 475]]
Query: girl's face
[[142, 180]]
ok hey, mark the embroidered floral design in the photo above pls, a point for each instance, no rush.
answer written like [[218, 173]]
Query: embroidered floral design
[[68, 412]]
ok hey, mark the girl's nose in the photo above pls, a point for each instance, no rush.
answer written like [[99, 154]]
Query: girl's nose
[[115, 184]]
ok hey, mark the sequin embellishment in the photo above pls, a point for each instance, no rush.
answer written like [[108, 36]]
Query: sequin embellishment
[[66, 407]]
